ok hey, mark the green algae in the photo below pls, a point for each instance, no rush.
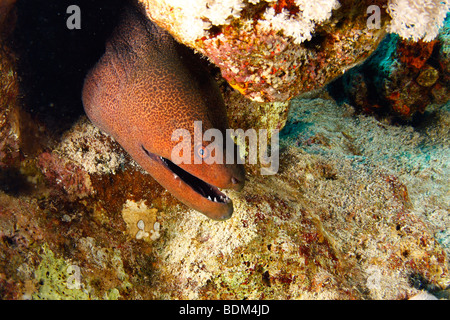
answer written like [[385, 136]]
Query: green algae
[[112, 294], [56, 280], [59, 279]]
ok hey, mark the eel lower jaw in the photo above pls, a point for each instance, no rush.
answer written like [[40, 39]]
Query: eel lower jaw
[[220, 205], [206, 190]]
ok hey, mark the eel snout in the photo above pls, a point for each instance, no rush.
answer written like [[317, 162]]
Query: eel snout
[[202, 194]]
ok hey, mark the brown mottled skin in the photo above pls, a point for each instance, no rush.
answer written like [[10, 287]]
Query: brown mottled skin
[[144, 87]]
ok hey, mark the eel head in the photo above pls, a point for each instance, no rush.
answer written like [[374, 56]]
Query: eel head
[[145, 87]]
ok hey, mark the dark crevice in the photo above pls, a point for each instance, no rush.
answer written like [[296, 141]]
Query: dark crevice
[[54, 60]]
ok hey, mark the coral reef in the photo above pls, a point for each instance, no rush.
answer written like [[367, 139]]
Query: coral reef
[[336, 222], [416, 20], [416, 152], [401, 79], [341, 220], [53, 274], [274, 50], [254, 47], [141, 221], [246, 114], [70, 178], [358, 210], [93, 155], [9, 87]]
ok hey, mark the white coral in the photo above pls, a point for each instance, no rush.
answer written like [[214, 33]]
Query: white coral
[[219, 12], [318, 10], [411, 19], [301, 25], [417, 19], [199, 15]]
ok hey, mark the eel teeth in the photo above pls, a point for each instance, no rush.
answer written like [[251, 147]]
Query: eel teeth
[[219, 198], [163, 159]]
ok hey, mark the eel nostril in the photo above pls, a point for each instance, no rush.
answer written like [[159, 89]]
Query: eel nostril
[[237, 184]]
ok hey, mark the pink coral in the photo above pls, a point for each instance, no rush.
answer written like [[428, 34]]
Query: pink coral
[[65, 175]]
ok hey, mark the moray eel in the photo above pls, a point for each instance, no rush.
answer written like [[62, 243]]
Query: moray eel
[[144, 87]]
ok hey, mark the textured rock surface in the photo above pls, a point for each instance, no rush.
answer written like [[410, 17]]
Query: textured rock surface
[[258, 59], [359, 209], [274, 50], [340, 220], [246, 114], [401, 79], [8, 90]]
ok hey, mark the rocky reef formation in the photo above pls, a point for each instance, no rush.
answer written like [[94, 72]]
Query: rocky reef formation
[[358, 209], [336, 222], [401, 79], [274, 50]]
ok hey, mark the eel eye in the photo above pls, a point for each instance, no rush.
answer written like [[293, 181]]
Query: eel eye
[[201, 151]]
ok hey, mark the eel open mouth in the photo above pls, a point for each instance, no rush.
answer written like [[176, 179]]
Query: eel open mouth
[[206, 190]]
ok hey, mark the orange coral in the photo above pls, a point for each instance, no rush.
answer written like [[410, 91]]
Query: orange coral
[[286, 4], [415, 54]]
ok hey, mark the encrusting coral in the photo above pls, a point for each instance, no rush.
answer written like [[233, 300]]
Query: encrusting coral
[[9, 88], [401, 78], [273, 50]]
